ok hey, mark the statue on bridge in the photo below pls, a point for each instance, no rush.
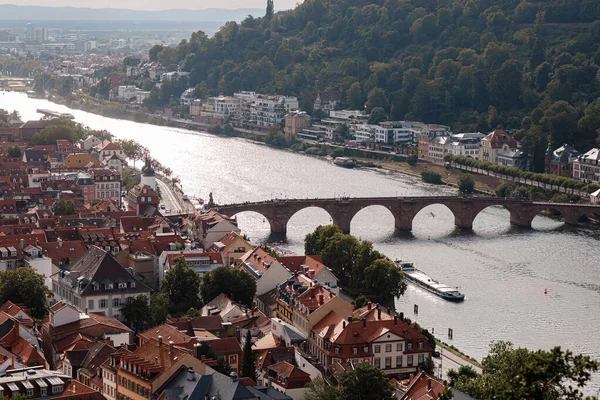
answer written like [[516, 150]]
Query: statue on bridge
[[211, 202]]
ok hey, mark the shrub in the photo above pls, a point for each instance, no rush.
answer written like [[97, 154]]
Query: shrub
[[466, 183], [412, 160], [430, 176]]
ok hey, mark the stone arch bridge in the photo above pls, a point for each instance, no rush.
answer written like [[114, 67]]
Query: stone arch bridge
[[341, 210]]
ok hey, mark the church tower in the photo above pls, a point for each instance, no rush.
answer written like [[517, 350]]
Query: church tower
[[148, 175]]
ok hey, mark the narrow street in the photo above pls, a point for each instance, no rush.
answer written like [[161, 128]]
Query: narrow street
[[174, 204]]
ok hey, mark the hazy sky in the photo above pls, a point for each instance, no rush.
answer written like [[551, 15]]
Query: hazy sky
[[155, 4]]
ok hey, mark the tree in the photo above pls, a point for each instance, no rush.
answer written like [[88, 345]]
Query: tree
[[412, 160], [315, 242], [137, 314], [431, 176], [466, 183], [376, 99], [360, 301], [235, 283], [249, 358], [319, 389], [269, 11], [181, 285], [61, 207], [377, 115], [385, 278], [510, 373], [339, 254], [159, 307], [365, 382], [505, 86], [354, 97], [14, 152], [25, 286]]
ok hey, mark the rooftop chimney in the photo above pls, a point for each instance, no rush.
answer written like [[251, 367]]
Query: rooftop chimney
[[402, 316], [428, 383], [395, 320], [170, 346], [159, 340], [379, 313], [321, 301], [369, 305], [364, 320], [191, 375]]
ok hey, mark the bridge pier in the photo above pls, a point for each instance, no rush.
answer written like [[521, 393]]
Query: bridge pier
[[463, 222], [278, 226], [522, 221]]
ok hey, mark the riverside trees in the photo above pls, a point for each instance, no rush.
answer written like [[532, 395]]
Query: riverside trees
[[357, 265]]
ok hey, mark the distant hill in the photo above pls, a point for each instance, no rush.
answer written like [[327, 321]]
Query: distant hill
[[39, 13]]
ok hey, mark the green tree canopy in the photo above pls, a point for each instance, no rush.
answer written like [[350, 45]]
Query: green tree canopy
[[248, 358], [61, 207], [181, 285], [466, 183], [136, 313], [510, 373], [235, 283], [159, 307], [14, 152], [25, 286], [365, 382]]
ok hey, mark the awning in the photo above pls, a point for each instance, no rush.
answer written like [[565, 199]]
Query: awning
[[54, 380], [27, 385], [41, 383], [13, 387]]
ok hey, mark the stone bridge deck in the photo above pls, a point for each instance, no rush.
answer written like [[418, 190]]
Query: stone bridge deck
[[464, 208]]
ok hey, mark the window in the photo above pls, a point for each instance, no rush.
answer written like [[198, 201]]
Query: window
[[233, 359], [43, 391], [388, 362], [409, 346], [337, 350], [420, 344], [103, 303], [398, 346], [122, 285], [116, 302], [398, 361], [132, 284], [355, 350], [96, 287], [91, 304], [421, 358], [410, 360], [377, 362], [377, 348], [108, 286], [57, 389], [29, 392], [388, 348]]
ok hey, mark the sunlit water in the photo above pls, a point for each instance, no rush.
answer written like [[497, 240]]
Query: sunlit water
[[503, 270]]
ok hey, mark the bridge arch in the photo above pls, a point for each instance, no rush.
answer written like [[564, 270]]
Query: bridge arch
[[434, 214], [379, 218], [319, 215], [254, 222], [481, 221]]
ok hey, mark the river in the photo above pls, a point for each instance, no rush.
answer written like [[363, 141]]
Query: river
[[502, 270]]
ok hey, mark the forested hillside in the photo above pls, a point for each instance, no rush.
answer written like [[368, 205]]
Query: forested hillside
[[531, 66]]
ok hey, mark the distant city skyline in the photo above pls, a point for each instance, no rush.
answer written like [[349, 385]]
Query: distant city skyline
[[155, 5]]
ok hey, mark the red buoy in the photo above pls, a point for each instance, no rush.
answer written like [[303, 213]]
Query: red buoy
[[545, 291]]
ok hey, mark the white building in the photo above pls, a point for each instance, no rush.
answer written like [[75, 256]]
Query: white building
[[587, 166], [108, 184], [132, 94], [396, 132], [187, 97], [363, 132], [465, 144], [438, 148], [270, 110], [97, 282]]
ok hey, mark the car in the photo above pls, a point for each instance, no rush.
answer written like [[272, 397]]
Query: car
[[162, 207], [185, 198], [436, 354], [393, 153]]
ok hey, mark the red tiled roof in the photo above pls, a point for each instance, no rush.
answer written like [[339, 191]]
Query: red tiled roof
[[154, 357], [168, 333], [423, 387], [225, 346], [295, 263], [499, 137], [76, 390], [59, 251]]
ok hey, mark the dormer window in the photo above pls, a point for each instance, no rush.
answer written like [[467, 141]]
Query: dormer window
[[108, 286], [122, 285], [96, 287], [132, 284]]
